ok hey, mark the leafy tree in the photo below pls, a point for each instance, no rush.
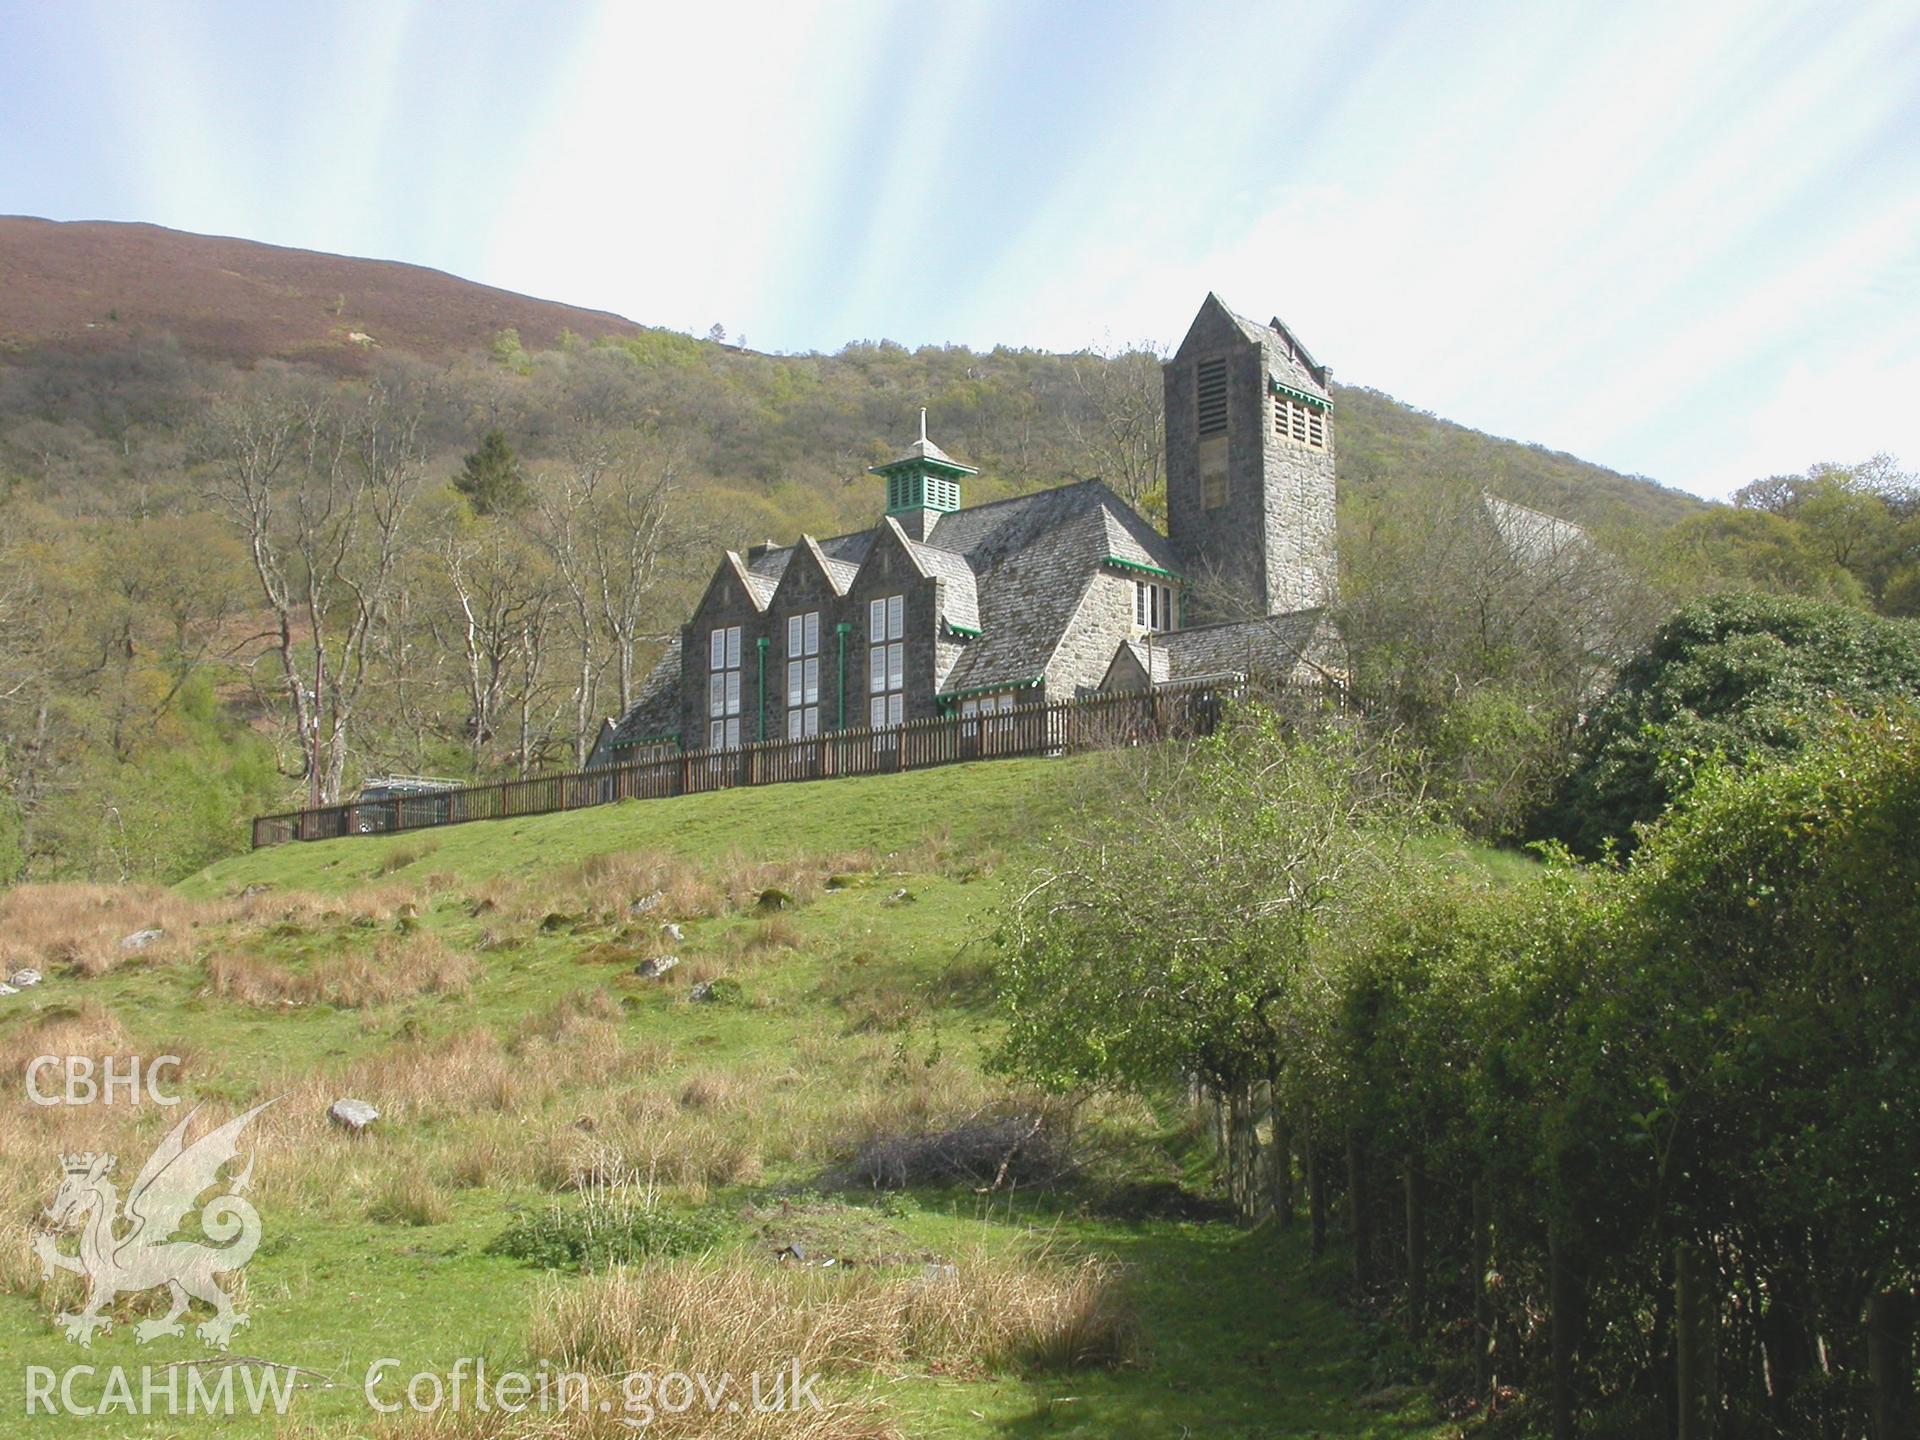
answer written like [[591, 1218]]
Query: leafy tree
[[1752, 549], [490, 477], [1168, 939], [1862, 517], [1742, 677]]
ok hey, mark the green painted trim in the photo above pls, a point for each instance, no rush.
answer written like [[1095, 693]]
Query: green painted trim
[[991, 689], [1142, 567], [1319, 402], [674, 736], [916, 462], [966, 630]]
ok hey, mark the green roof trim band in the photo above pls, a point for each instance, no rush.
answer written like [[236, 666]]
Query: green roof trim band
[[990, 689], [646, 740], [1319, 402], [1140, 565], [966, 630]]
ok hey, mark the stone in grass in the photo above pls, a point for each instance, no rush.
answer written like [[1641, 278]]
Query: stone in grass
[[654, 968], [647, 903], [902, 896], [21, 979], [141, 939], [673, 932], [8, 990], [775, 899], [353, 1115], [721, 991]]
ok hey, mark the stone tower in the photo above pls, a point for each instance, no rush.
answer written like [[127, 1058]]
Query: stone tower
[[1249, 469]]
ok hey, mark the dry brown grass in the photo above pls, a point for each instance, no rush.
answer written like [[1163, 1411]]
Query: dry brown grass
[[986, 1313], [409, 1198], [78, 929], [399, 968]]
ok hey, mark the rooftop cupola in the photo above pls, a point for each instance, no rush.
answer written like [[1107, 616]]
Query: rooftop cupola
[[922, 484]]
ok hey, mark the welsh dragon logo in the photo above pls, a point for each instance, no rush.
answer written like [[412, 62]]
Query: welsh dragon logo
[[128, 1249]]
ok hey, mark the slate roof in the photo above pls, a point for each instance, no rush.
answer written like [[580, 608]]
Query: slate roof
[[656, 708], [1271, 645], [1033, 557], [1287, 359], [959, 595], [1012, 569], [1534, 537]]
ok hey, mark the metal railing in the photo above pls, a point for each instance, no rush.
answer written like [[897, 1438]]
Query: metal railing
[[1061, 727]]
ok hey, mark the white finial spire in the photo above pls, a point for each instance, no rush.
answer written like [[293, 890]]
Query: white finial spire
[[923, 422]]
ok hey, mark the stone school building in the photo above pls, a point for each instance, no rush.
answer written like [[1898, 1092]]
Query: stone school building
[[941, 608]]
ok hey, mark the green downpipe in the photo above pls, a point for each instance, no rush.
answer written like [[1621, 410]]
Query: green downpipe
[[761, 646], [843, 629]]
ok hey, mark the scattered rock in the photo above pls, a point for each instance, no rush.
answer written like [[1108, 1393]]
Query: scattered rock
[[647, 903], [21, 979], [902, 896], [141, 939], [257, 888], [8, 990], [775, 900], [938, 1274], [656, 967], [352, 1115], [555, 922], [795, 1252], [840, 882], [673, 932], [715, 992]]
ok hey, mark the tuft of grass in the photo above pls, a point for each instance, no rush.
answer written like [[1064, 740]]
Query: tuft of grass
[[400, 968], [399, 857], [606, 1229], [410, 1199]]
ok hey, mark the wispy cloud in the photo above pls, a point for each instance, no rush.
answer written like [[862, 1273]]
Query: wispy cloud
[[1678, 239]]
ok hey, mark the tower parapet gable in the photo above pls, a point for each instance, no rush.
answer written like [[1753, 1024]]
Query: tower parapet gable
[[1250, 468]]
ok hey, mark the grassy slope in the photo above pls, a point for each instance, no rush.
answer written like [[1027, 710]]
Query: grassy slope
[[864, 1000]]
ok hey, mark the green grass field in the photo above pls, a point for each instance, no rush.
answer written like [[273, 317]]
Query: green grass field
[[478, 985]]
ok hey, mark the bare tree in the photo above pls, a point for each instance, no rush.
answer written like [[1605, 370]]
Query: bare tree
[[610, 521], [503, 595], [319, 491], [1117, 422]]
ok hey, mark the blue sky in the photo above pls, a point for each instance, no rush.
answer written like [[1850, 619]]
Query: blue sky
[[1681, 238]]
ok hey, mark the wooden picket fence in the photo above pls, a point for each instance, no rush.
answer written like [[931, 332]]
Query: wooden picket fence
[[1062, 727]]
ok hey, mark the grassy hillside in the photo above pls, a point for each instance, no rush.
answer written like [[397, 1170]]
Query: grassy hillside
[[478, 985]]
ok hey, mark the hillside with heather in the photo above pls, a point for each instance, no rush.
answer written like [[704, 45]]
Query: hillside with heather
[[101, 285]]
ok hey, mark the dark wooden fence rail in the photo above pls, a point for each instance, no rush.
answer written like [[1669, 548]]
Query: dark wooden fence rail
[[1063, 727]]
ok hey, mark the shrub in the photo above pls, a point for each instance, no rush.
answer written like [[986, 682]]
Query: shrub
[[1742, 677]]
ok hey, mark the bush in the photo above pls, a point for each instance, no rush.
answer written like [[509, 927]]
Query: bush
[[1740, 677]]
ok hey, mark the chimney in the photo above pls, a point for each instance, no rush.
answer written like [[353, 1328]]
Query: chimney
[[754, 552]]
